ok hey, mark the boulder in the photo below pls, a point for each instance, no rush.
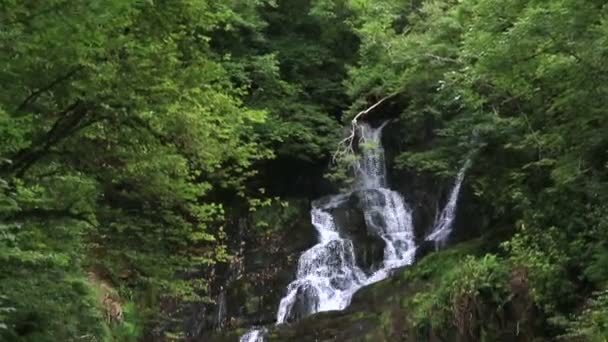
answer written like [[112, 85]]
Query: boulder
[[368, 245]]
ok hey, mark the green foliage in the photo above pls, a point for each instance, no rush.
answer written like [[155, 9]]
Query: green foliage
[[464, 295], [131, 328], [540, 253], [424, 162], [519, 85], [128, 127], [302, 52], [597, 270], [592, 324], [342, 170], [118, 126], [44, 295], [52, 305], [276, 214]]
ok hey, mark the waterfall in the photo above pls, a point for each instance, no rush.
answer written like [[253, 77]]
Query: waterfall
[[254, 335], [370, 170], [386, 214], [443, 224], [391, 218], [221, 310], [327, 274]]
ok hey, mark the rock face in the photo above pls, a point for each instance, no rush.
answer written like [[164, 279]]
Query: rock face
[[269, 264], [368, 245], [248, 290], [305, 304]]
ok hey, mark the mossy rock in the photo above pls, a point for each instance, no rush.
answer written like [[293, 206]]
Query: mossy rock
[[380, 312]]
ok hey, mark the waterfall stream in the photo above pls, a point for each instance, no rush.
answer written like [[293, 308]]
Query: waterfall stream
[[443, 225], [327, 274], [254, 335]]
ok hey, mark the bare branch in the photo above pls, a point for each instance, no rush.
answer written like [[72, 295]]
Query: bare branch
[[442, 59], [346, 145]]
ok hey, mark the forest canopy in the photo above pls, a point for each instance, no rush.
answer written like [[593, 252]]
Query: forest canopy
[[133, 132]]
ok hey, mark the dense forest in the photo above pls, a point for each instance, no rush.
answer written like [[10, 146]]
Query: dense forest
[[147, 147]]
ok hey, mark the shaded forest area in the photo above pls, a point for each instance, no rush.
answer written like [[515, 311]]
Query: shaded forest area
[[135, 133]]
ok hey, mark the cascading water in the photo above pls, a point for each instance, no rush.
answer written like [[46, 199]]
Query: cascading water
[[221, 310], [327, 274], [385, 211], [254, 335], [370, 170], [443, 225], [389, 216]]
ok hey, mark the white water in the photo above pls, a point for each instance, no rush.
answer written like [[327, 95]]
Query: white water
[[221, 310], [385, 211], [371, 167], [254, 335], [327, 274], [443, 225]]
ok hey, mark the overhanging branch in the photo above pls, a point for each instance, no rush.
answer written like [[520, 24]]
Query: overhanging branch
[[346, 145]]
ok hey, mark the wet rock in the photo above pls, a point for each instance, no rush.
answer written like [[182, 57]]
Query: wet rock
[[367, 243], [306, 302], [337, 255], [424, 248], [341, 283], [266, 259]]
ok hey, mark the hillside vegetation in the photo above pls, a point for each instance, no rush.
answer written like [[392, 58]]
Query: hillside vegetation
[[134, 134]]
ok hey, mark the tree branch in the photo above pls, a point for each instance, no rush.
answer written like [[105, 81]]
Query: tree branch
[[69, 121], [442, 59], [346, 145], [33, 95]]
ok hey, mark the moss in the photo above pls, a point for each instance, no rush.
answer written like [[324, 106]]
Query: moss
[[436, 264], [386, 323]]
